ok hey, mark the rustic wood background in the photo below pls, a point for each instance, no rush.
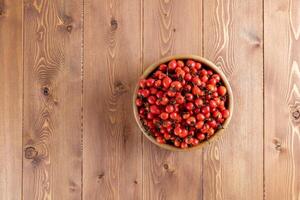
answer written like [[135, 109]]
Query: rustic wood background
[[67, 72]]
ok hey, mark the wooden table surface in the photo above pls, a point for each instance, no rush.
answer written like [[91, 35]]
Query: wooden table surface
[[67, 73]]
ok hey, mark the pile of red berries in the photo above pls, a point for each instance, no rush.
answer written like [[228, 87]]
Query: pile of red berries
[[182, 103]]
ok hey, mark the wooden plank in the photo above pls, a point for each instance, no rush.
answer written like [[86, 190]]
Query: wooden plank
[[52, 100], [233, 166], [171, 27], [282, 99], [112, 64], [11, 86]]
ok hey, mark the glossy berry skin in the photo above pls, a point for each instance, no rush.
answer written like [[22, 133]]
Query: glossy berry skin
[[184, 145], [225, 114], [216, 77], [182, 103], [188, 77], [145, 93], [180, 73], [211, 88], [166, 82], [159, 94], [154, 110], [153, 90], [164, 101], [180, 99], [217, 114], [174, 116], [177, 131], [207, 115], [195, 142], [205, 128], [159, 75], [188, 140], [152, 99], [167, 136], [150, 115], [196, 81], [176, 85], [189, 97], [187, 88], [204, 79], [150, 82], [199, 124], [157, 83], [198, 66], [177, 143], [200, 117], [198, 102], [201, 136], [222, 90], [189, 106], [197, 110], [212, 123], [183, 133], [166, 124], [191, 121], [191, 63], [180, 63], [212, 81], [191, 132], [142, 83], [196, 91], [171, 93], [163, 67], [164, 116], [210, 131], [169, 108], [186, 115], [215, 94], [138, 102], [172, 65], [212, 104], [160, 140], [205, 109], [176, 107]]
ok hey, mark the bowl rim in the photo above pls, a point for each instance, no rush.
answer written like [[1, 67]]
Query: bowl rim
[[209, 64]]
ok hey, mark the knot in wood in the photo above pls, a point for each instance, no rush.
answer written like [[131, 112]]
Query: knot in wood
[[30, 153], [100, 176], [120, 88], [67, 19], [67, 23], [1, 10], [277, 144], [296, 114], [46, 91], [69, 28], [113, 24], [278, 147], [166, 166]]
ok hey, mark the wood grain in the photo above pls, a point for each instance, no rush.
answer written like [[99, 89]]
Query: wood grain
[[171, 27], [282, 99], [233, 166], [112, 63], [67, 73], [11, 79], [52, 99]]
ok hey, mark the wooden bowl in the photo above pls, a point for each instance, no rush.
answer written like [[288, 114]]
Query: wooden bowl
[[210, 65]]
